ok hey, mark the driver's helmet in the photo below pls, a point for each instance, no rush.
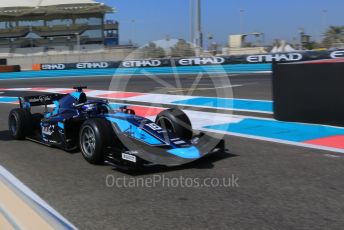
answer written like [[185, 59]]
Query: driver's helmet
[[90, 108], [96, 108]]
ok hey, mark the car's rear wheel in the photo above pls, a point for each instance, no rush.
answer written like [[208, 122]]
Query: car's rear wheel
[[175, 120], [19, 123], [95, 136]]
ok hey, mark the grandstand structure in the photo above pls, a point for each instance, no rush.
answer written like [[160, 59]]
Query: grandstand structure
[[45, 25]]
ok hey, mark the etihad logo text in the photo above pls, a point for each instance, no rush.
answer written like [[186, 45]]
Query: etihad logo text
[[202, 61], [141, 63], [287, 57]]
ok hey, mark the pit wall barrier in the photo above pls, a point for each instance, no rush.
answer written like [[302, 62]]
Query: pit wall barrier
[[309, 92], [158, 71], [198, 61]]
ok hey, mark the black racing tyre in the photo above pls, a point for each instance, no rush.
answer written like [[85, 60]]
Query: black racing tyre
[[94, 137], [19, 123], [177, 121]]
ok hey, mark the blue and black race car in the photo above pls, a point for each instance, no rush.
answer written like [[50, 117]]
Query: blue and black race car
[[104, 134]]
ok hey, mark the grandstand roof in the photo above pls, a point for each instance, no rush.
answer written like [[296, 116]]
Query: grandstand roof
[[35, 3], [23, 7]]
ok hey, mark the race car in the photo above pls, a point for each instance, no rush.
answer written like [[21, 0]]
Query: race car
[[105, 134]]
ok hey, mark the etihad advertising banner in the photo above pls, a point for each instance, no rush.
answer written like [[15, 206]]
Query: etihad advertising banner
[[200, 61]]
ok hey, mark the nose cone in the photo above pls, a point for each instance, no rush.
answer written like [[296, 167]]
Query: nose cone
[[187, 153]]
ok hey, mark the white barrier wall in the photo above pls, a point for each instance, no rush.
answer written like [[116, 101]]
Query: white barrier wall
[[26, 60]]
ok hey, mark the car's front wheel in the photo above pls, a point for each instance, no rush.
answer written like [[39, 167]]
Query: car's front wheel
[[175, 120], [94, 138]]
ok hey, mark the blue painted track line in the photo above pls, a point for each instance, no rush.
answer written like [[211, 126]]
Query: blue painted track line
[[8, 99], [239, 68], [228, 103], [287, 131]]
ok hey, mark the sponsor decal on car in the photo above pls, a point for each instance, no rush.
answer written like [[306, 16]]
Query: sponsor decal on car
[[48, 130], [129, 157]]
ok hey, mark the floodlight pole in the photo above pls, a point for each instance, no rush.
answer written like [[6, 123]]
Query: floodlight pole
[[324, 15], [132, 30], [192, 29], [199, 35], [242, 12], [78, 44]]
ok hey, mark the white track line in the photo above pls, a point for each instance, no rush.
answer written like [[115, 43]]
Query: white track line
[[58, 219]]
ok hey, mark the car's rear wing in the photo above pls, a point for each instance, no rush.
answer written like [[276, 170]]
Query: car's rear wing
[[39, 100]]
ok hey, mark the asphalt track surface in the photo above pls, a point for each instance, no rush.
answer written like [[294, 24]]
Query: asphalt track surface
[[279, 186]]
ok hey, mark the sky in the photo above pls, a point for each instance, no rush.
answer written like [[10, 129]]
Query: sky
[[147, 20]]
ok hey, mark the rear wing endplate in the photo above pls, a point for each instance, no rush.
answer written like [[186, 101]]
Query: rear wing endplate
[[39, 100]]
